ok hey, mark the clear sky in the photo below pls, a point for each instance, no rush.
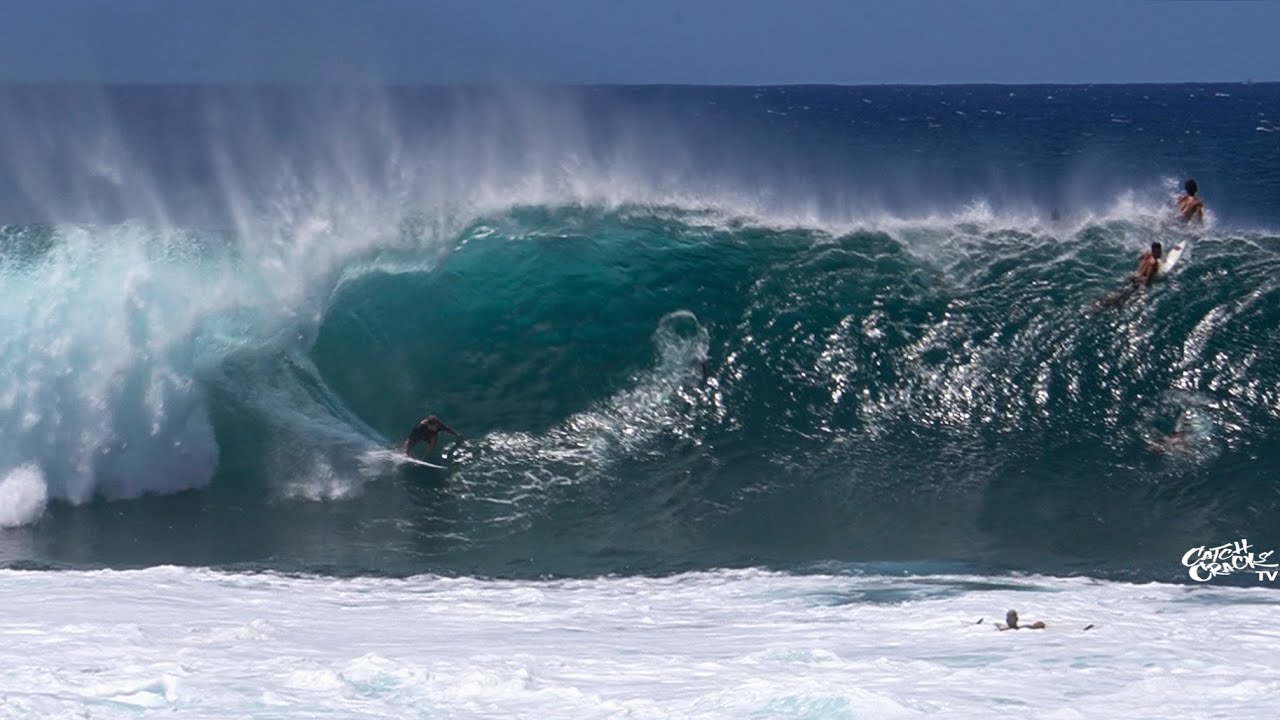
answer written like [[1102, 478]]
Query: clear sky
[[638, 41]]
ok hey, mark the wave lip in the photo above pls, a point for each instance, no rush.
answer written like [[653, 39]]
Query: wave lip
[[102, 400]]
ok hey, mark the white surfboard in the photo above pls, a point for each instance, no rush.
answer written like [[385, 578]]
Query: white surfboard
[[423, 463], [383, 458], [1170, 258]]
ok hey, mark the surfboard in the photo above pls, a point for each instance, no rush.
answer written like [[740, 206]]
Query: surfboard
[[424, 463], [1170, 259], [382, 458]]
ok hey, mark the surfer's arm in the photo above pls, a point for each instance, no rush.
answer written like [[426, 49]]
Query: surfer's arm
[[450, 430]]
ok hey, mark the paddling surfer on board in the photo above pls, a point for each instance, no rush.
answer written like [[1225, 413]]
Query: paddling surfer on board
[[1148, 268]]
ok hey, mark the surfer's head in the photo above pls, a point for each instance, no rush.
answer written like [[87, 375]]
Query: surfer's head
[[1156, 250], [433, 422], [1011, 618], [1190, 186]]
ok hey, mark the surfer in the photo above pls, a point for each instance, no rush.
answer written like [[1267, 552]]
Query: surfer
[[427, 430], [1189, 208], [1148, 268], [1011, 623]]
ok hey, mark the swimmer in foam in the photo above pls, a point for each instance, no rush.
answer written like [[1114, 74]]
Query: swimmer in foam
[[1188, 208], [427, 430], [1011, 623], [1148, 266]]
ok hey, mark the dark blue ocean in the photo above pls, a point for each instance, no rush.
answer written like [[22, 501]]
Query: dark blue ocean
[[682, 328]]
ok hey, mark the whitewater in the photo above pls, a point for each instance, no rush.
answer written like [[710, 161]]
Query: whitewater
[[166, 642], [769, 395]]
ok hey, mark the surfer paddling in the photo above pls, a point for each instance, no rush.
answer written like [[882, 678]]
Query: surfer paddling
[[427, 430], [1189, 210], [1148, 269], [1188, 207]]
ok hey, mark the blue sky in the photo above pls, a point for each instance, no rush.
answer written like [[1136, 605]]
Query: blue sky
[[638, 41]]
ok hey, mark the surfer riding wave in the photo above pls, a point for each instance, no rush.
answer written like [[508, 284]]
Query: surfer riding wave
[[427, 430]]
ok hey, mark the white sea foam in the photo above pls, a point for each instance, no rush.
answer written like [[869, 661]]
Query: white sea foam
[[729, 644], [22, 496]]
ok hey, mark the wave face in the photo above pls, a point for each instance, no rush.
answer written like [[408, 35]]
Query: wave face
[[666, 352]]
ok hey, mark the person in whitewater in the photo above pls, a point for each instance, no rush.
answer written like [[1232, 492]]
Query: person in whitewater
[[427, 430], [1011, 623], [1188, 207]]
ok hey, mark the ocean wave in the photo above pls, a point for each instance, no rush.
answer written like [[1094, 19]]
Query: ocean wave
[[679, 326], [660, 376]]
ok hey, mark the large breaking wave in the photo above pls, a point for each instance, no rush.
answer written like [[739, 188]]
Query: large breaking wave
[[646, 366]]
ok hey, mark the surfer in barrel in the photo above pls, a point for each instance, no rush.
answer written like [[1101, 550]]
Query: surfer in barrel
[[1188, 208], [427, 430]]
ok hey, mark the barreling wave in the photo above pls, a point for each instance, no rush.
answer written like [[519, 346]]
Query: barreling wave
[[680, 327], [662, 379]]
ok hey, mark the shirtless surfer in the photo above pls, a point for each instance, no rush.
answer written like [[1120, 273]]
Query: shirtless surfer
[[1189, 208], [1011, 623], [427, 430], [1148, 268]]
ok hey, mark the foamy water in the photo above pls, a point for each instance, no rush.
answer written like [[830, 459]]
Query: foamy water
[[733, 644]]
